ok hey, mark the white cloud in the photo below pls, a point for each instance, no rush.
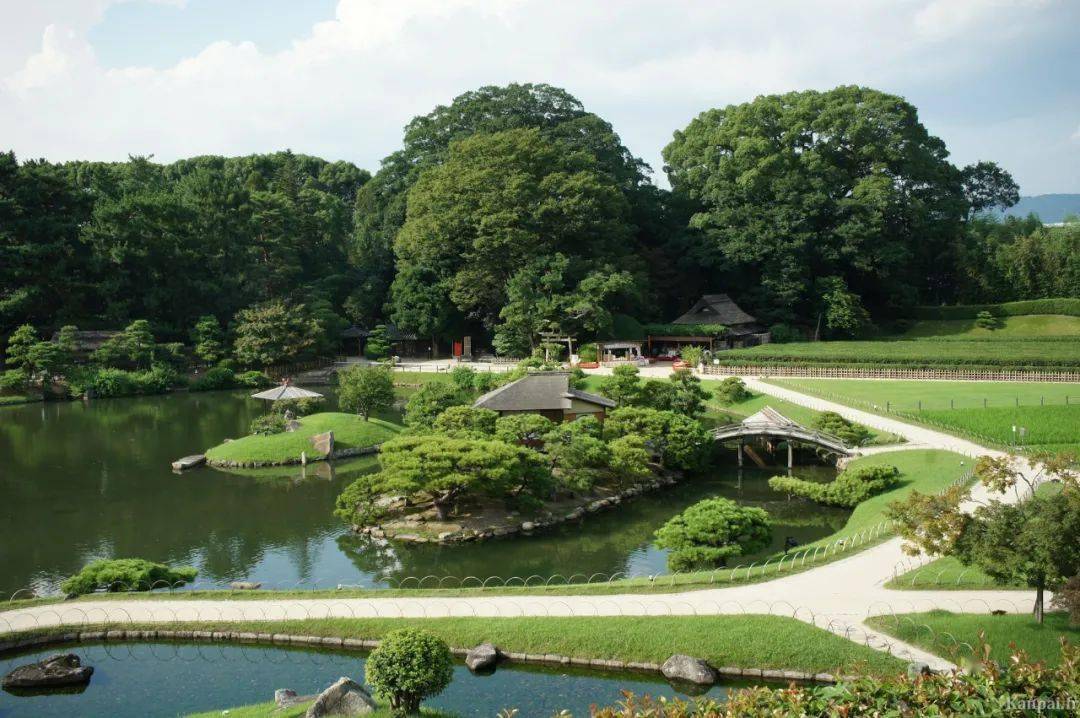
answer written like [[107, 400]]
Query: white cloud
[[346, 86]]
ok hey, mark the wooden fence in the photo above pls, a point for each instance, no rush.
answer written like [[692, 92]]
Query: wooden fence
[[894, 373]]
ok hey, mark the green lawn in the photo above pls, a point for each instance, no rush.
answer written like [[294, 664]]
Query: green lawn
[[945, 573], [270, 710], [928, 471], [944, 633], [350, 431], [984, 411], [1035, 325], [1006, 353], [746, 641]]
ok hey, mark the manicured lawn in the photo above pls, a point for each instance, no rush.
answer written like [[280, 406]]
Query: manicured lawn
[[1035, 325], [935, 395], [1059, 352], [747, 641], [928, 630], [945, 573], [984, 411], [350, 431], [270, 710]]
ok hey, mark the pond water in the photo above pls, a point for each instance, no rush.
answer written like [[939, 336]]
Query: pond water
[[81, 481], [147, 680]]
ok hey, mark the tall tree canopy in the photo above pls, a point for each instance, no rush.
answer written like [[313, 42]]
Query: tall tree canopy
[[502, 204], [845, 183], [557, 116]]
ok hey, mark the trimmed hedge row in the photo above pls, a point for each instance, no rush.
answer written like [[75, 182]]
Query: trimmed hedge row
[[1063, 305]]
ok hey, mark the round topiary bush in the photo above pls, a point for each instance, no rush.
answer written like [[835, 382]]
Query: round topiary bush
[[711, 531], [408, 666]]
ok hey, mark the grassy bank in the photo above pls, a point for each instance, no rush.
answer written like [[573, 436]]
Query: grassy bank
[[270, 710], [944, 574], [350, 432], [944, 633], [743, 641]]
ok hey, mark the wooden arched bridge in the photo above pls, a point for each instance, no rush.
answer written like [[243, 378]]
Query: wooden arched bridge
[[771, 424]]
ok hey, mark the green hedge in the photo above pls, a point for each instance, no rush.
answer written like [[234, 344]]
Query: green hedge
[[685, 330], [1063, 305]]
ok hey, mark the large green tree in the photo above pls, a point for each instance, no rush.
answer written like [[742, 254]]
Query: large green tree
[[845, 183], [499, 204]]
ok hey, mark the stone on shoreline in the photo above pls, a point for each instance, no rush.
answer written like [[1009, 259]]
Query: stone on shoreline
[[680, 667], [62, 669], [345, 697], [482, 657]]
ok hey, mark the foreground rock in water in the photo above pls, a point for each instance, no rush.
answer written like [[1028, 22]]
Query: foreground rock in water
[[346, 697], [689, 669], [484, 656], [63, 669]]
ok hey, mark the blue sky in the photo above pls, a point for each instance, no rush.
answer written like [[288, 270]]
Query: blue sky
[[102, 79]]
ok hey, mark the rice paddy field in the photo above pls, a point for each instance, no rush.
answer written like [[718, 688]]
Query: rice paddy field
[[1022, 414]]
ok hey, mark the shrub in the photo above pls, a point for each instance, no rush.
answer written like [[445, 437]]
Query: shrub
[[298, 407], [12, 380], [986, 320], [588, 353], [463, 377], [465, 421], [267, 424], [782, 333], [527, 429], [157, 380], [692, 355], [711, 531], [429, 401], [253, 379], [126, 574], [366, 390], [213, 379], [850, 433], [849, 489], [732, 391], [408, 666], [990, 688], [657, 394], [104, 383], [623, 385], [378, 344]]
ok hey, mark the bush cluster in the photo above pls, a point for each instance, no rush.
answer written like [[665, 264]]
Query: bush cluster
[[989, 689], [266, 424], [126, 574], [849, 489], [408, 666], [711, 531], [108, 382], [849, 432]]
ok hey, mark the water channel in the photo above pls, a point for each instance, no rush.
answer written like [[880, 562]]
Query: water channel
[[151, 680], [80, 481]]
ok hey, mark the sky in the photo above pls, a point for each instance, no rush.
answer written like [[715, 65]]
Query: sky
[[103, 79]]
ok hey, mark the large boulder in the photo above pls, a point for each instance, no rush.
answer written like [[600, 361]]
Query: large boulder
[[688, 669], [63, 669], [345, 697], [483, 657]]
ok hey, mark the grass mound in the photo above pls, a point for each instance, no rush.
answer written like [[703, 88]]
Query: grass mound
[[350, 432]]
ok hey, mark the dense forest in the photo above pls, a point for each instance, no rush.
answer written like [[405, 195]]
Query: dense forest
[[513, 211]]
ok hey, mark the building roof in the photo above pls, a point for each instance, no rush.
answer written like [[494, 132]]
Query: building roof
[[770, 417], [539, 391], [715, 309]]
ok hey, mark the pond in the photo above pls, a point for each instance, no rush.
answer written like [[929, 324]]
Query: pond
[[145, 680], [88, 480]]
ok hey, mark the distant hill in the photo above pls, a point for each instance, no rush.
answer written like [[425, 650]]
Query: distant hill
[[1051, 208]]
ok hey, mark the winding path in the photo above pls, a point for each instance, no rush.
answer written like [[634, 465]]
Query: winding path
[[837, 596]]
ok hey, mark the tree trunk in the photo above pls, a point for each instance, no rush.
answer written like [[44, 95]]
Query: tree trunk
[[1040, 587], [817, 329], [442, 506], [434, 347]]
